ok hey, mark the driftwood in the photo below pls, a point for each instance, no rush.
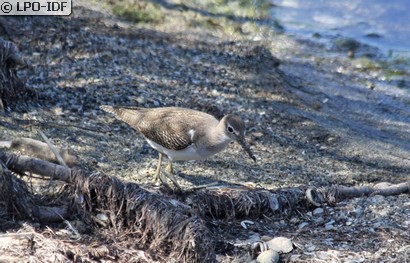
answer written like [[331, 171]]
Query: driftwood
[[18, 200], [40, 150], [24, 164], [242, 202], [337, 193]]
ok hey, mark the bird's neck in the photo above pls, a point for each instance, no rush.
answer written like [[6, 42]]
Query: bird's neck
[[216, 139]]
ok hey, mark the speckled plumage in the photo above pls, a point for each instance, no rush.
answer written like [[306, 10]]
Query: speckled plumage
[[167, 126], [183, 134]]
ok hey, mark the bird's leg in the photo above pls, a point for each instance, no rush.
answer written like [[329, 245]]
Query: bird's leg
[[170, 173], [169, 167], [156, 175]]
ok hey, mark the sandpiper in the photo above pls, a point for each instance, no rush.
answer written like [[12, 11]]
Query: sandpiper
[[182, 134]]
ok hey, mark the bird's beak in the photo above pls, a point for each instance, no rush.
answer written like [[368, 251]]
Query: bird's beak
[[241, 140]]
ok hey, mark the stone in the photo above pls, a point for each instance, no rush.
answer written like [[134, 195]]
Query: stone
[[268, 256], [280, 244]]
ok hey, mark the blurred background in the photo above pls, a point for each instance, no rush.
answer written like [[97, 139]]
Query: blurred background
[[374, 22]]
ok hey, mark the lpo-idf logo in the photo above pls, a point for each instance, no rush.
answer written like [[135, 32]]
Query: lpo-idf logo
[[35, 7]]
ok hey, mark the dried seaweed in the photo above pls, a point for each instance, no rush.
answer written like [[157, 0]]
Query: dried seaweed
[[167, 228], [17, 200], [12, 88], [15, 197], [238, 203]]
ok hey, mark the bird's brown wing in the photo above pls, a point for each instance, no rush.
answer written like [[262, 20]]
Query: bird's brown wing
[[165, 126], [164, 132]]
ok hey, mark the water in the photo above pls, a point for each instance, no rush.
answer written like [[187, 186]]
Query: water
[[380, 23]]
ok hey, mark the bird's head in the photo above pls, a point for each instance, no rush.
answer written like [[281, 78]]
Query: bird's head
[[235, 129]]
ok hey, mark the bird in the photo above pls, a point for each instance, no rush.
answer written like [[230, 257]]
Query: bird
[[182, 133]]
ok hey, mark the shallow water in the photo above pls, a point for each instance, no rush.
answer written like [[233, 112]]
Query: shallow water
[[383, 24]]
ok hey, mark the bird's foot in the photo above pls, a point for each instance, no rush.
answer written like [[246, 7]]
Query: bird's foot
[[171, 177], [157, 175]]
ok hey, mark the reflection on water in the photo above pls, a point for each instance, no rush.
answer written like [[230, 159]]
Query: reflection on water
[[385, 24]]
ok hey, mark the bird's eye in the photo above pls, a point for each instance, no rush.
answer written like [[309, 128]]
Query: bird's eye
[[230, 129]]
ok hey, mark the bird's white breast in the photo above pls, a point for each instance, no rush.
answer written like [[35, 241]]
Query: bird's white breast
[[189, 153]]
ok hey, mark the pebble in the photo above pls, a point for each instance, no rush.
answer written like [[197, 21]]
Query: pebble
[[357, 212], [295, 258], [141, 101], [319, 220], [318, 211], [322, 255], [280, 244], [245, 223], [268, 256], [328, 241], [302, 225], [377, 199], [257, 134], [310, 247], [102, 217], [329, 225], [57, 111]]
